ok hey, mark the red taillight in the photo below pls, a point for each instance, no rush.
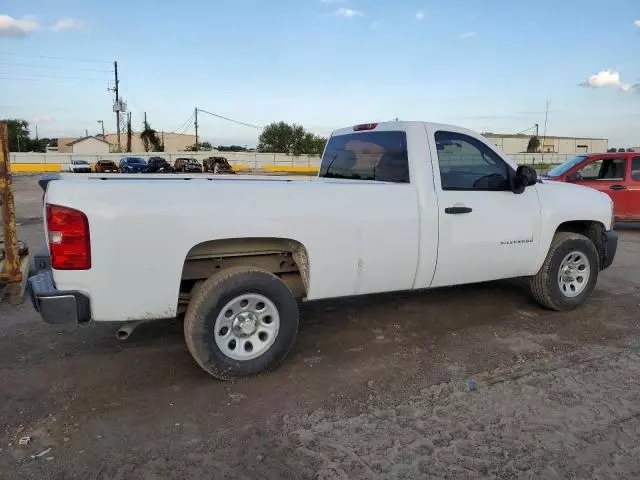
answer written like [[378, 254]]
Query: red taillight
[[69, 242], [364, 126]]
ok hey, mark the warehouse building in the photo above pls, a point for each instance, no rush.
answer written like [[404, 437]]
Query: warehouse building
[[173, 142], [517, 143]]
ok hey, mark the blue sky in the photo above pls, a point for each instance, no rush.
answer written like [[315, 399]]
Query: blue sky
[[489, 66]]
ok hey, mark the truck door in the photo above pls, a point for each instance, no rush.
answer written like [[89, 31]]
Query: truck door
[[486, 231], [608, 175]]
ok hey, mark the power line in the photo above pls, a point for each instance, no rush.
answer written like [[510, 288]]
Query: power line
[[184, 124], [229, 119], [526, 130], [19, 76], [187, 127], [52, 79], [61, 67], [84, 60]]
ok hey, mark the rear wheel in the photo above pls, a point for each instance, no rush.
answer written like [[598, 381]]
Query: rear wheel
[[569, 273], [241, 321]]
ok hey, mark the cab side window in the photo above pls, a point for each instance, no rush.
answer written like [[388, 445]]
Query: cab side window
[[468, 164], [604, 169]]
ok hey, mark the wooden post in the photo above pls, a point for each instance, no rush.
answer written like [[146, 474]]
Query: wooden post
[[11, 271]]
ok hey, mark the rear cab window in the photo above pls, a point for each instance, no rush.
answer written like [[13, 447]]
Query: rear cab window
[[635, 169], [380, 156]]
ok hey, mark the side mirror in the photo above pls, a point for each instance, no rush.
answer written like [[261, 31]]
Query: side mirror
[[573, 177], [526, 176]]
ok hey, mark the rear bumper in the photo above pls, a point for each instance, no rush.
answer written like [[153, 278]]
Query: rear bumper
[[55, 306], [610, 239]]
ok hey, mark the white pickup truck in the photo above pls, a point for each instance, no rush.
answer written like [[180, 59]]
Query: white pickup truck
[[397, 206]]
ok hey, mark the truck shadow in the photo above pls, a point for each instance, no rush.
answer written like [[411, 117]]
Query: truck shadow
[[439, 310]]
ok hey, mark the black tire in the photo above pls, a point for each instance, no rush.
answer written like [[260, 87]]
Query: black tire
[[206, 303], [544, 285]]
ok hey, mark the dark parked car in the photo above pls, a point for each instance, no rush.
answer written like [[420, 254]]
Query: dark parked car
[[187, 165], [133, 165], [159, 165], [217, 165], [106, 166]]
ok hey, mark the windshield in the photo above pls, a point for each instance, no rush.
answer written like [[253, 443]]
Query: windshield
[[136, 161], [566, 166], [80, 162]]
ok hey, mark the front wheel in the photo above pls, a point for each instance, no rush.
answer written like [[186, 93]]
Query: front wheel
[[241, 321], [569, 273]]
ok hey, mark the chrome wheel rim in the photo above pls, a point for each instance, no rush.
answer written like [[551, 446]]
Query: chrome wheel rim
[[247, 326], [574, 273]]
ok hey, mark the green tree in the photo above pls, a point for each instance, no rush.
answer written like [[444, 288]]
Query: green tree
[[313, 144], [231, 148], [150, 139], [201, 146], [18, 132], [39, 145], [534, 144], [280, 137]]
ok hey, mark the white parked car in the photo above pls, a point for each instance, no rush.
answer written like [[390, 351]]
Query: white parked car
[[79, 166], [397, 206]]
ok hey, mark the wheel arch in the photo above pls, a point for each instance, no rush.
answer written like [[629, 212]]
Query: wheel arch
[[592, 229], [285, 257]]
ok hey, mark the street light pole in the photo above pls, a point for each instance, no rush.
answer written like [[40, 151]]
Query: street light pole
[[101, 122]]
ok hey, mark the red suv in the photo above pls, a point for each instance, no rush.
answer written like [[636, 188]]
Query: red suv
[[616, 174]]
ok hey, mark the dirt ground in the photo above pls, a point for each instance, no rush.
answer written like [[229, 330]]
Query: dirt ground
[[375, 388]]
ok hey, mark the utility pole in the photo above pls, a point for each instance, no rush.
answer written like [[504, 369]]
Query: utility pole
[[36, 133], [145, 120], [537, 132], [129, 131], [102, 125], [117, 109], [544, 135], [546, 119], [196, 124], [86, 132]]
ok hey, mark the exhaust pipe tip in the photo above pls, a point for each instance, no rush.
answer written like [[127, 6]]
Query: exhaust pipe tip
[[123, 334], [125, 331]]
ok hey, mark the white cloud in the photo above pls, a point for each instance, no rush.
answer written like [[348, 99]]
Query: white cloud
[[607, 79], [13, 27], [375, 26], [67, 24], [466, 35], [637, 23], [604, 78], [347, 13], [419, 15], [42, 119]]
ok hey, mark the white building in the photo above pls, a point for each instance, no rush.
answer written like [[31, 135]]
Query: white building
[[511, 144], [88, 145]]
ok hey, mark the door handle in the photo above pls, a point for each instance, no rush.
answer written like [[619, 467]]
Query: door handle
[[457, 210], [618, 187]]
